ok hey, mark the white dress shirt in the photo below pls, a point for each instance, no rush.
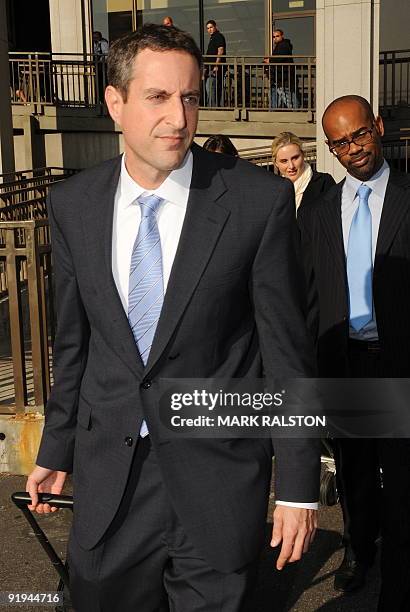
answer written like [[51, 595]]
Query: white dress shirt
[[350, 203], [127, 215]]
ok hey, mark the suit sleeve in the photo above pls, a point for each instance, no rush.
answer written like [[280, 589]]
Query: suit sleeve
[[69, 358], [287, 352]]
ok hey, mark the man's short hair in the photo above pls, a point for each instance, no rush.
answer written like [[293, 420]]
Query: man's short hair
[[122, 53], [212, 22], [278, 30], [365, 104]]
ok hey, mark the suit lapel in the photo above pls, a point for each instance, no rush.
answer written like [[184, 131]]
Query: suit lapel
[[330, 215], [204, 221], [97, 219], [395, 207]]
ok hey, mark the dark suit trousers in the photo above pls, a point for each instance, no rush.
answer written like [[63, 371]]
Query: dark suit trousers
[[146, 563], [374, 502]]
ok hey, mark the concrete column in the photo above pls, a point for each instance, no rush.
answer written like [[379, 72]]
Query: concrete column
[[70, 24], [347, 58], [34, 143], [6, 119]]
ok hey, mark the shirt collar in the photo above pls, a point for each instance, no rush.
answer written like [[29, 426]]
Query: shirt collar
[[377, 183], [174, 189]]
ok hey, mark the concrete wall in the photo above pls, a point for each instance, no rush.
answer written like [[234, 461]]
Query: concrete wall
[[347, 49], [81, 149], [394, 24], [67, 29]]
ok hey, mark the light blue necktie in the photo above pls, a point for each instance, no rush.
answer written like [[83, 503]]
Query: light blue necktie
[[359, 262], [146, 285]]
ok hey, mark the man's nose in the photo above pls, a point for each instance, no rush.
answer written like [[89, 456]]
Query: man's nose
[[177, 113], [354, 148]]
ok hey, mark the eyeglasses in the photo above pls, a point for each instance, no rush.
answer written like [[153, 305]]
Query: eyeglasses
[[360, 139]]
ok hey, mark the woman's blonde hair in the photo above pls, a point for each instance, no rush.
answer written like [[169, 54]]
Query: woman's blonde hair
[[282, 140]]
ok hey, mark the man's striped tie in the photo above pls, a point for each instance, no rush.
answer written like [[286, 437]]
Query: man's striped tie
[[146, 287]]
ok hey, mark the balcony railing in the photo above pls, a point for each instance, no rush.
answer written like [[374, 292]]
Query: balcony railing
[[257, 83], [23, 194], [79, 81], [394, 82], [26, 287]]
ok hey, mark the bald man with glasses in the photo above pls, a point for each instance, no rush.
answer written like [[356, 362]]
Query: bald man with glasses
[[356, 251]]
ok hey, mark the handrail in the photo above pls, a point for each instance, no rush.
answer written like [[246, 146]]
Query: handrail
[[249, 82]]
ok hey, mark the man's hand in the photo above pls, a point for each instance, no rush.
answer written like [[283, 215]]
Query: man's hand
[[43, 480], [295, 528]]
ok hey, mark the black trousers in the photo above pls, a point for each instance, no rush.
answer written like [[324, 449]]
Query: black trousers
[[146, 563], [373, 477]]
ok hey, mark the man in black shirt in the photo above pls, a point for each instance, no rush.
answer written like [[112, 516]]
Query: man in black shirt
[[282, 76], [215, 72]]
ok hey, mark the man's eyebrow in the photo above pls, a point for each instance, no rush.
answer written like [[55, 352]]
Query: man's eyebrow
[[163, 92], [154, 90], [192, 92], [353, 134]]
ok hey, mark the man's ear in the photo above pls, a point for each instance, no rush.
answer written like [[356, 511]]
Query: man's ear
[[378, 122], [115, 103]]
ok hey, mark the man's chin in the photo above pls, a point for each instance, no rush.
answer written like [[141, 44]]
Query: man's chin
[[362, 173], [171, 160]]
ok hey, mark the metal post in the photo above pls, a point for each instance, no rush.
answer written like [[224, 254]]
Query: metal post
[[16, 322], [36, 319]]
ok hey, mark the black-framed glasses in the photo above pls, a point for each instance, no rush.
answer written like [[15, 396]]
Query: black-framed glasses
[[361, 138]]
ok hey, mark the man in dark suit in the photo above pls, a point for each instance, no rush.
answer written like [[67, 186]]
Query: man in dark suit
[[356, 249], [170, 262]]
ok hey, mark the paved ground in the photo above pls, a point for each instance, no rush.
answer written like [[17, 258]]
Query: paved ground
[[305, 587]]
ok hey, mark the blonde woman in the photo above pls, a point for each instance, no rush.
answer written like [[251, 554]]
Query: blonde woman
[[289, 159]]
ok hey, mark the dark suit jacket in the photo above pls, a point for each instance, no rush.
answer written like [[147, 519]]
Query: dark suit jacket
[[317, 187], [325, 269], [233, 308]]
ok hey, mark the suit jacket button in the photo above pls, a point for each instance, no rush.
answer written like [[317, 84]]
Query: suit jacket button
[[129, 441], [146, 384]]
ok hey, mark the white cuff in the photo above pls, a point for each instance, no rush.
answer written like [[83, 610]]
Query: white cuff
[[307, 505]]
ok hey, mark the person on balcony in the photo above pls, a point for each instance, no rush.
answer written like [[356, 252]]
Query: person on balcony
[[100, 44], [289, 159], [100, 50], [282, 75], [214, 72]]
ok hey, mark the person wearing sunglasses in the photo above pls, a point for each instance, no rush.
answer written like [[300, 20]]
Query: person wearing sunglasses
[[356, 252]]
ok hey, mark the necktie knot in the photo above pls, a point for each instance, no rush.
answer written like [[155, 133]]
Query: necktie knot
[[363, 192], [149, 204]]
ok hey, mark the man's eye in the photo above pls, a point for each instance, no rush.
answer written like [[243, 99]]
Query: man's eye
[[156, 98], [191, 100]]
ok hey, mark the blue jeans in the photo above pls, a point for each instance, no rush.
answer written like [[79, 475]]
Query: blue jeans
[[283, 97], [214, 89]]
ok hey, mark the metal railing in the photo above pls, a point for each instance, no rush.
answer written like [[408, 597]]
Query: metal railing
[[25, 251], [58, 79], [397, 151], [26, 287], [394, 82], [255, 83], [23, 194], [258, 83]]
